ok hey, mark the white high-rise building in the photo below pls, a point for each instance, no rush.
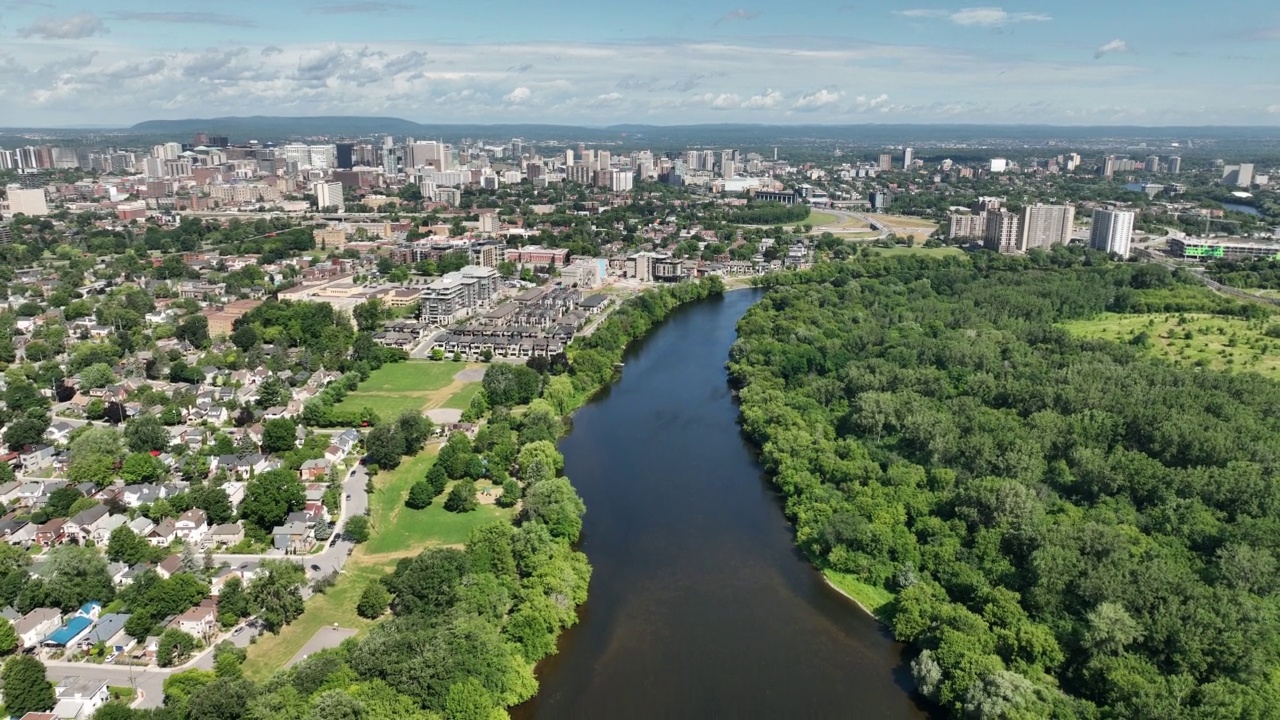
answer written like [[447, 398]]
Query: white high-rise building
[[1112, 231], [568, 158], [329, 195], [1045, 225], [1002, 233], [621, 180], [1175, 164], [28, 202], [908, 155]]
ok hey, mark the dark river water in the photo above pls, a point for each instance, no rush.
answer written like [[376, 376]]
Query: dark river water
[[700, 607]]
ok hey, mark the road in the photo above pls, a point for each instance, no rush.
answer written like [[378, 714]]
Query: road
[[148, 680]]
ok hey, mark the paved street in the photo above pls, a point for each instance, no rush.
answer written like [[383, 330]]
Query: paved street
[[325, 638], [149, 681]]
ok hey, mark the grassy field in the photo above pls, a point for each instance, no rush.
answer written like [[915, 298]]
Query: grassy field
[[920, 250], [818, 219], [397, 532], [875, 600], [461, 399], [907, 222], [1211, 341], [411, 385]]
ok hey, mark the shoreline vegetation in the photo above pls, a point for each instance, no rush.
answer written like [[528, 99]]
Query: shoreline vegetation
[[447, 629], [1055, 525]]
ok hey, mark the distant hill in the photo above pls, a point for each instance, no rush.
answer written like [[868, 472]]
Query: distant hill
[[241, 129]]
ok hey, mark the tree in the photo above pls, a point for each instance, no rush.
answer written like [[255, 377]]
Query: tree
[[245, 337], [414, 428], [222, 700], [539, 422], [227, 660], [174, 647], [94, 454], [477, 408], [142, 467], [193, 329], [279, 435], [559, 392], [420, 494], [26, 687], [179, 687], [427, 584], [544, 451], [276, 594], [384, 446], [510, 493], [145, 433], [77, 575], [8, 639], [357, 529], [437, 478], [126, 547], [272, 392], [468, 700], [233, 602], [557, 504], [25, 431], [270, 497], [510, 385], [369, 315], [462, 498], [373, 601], [61, 500]]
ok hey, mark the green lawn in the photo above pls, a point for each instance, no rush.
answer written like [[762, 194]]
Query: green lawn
[[818, 219], [875, 600], [461, 399], [920, 250], [411, 376], [397, 528], [1200, 340], [411, 385]]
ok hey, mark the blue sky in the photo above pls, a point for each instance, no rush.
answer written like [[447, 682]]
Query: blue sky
[[1084, 62]]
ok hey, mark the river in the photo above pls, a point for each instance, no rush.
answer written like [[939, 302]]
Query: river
[[700, 606], [1240, 207]]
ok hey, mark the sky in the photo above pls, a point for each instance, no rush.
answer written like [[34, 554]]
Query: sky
[[1084, 62]]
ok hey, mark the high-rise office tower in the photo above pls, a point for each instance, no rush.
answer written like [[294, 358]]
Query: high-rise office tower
[[907, 156], [1174, 163], [1045, 225], [1112, 231], [345, 153]]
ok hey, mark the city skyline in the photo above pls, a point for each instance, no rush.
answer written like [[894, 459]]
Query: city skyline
[[1087, 63]]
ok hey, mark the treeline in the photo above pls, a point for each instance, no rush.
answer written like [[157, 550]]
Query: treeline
[[1072, 528], [1263, 274], [768, 213], [592, 358]]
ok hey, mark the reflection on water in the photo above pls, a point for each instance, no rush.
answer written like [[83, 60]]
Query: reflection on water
[[700, 606]]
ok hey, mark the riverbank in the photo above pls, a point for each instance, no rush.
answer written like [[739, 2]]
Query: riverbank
[[874, 601]]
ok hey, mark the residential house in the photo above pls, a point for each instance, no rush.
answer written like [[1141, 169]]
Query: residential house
[[110, 632], [76, 626], [52, 533], [9, 492], [24, 535], [200, 621], [225, 535], [347, 441], [141, 526], [164, 533], [36, 626], [101, 533], [81, 526], [169, 566], [132, 574], [292, 537], [191, 526], [143, 494], [79, 697], [58, 432], [313, 469], [333, 453], [37, 456], [235, 493]]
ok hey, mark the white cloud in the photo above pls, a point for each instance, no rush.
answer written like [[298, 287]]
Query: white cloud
[[1274, 109], [978, 16], [818, 100], [768, 99], [519, 96], [75, 27], [609, 98], [1115, 46], [864, 104], [739, 14]]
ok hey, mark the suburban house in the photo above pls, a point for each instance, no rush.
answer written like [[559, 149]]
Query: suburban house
[[101, 533], [52, 533], [169, 566], [79, 697], [200, 621], [164, 533], [142, 526], [9, 492], [227, 535], [235, 493], [191, 526], [292, 537], [36, 625], [76, 627], [347, 441], [37, 456], [313, 469], [110, 632], [81, 526]]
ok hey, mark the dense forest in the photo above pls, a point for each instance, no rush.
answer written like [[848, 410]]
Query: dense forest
[[1264, 274], [1072, 528]]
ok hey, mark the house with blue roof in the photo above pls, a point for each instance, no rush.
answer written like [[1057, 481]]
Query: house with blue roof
[[76, 627]]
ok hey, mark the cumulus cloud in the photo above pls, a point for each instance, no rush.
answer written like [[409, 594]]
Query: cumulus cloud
[[977, 16], [765, 100], [739, 14], [184, 18], [75, 27], [864, 104], [817, 100], [519, 96], [722, 101], [1115, 46], [270, 50], [1274, 109], [609, 98]]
